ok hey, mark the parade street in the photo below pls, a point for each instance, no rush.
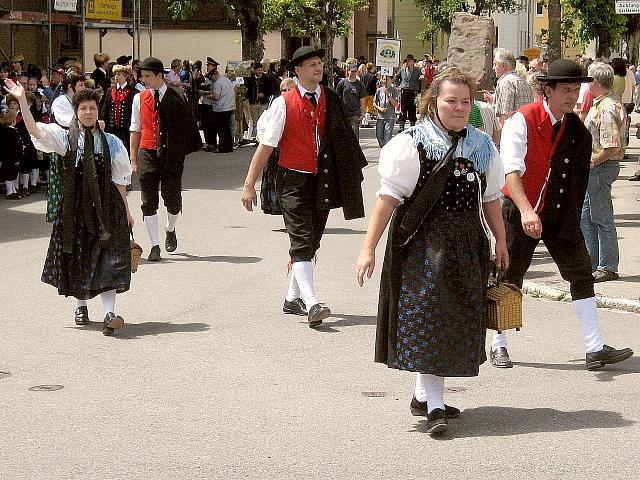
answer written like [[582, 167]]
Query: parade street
[[209, 380]]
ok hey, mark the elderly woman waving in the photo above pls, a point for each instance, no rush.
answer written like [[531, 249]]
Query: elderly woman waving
[[89, 251], [440, 180]]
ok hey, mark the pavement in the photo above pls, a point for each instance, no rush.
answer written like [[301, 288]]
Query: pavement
[[209, 380]]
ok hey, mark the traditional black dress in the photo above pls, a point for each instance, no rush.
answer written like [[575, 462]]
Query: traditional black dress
[[431, 312], [89, 249]]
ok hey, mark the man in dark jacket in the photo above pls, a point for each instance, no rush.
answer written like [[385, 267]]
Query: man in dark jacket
[[163, 132], [408, 80], [320, 168], [546, 152]]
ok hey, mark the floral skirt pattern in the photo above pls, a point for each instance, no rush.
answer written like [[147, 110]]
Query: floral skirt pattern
[[91, 268], [55, 187], [441, 309]]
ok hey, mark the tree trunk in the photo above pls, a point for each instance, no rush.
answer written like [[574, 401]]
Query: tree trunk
[[250, 15], [554, 41], [604, 43], [633, 39]]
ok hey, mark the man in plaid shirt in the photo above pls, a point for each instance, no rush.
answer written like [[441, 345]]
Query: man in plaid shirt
[[512, 91]]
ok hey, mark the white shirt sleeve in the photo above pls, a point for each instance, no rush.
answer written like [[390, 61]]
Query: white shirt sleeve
[[399, 167], [55, 139], [513, 144], [135, 114], [271, 123], [495, 178], [120, 166]]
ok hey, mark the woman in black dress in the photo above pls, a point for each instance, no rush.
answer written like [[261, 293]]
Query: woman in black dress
[[89, 251], [440, 180]]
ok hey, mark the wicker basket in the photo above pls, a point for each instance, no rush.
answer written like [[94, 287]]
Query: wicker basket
[[504, 306], [136, 253]]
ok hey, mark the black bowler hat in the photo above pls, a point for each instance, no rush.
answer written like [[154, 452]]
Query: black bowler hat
[[123, 59], [303, 53], [152, 64], [211, 61], [564, 71], [409, 57]]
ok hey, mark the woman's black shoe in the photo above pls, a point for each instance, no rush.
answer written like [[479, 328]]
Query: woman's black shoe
[[82, 315], [419, 409], [295, 307], [436, 421], [111, 323], [317, 313]]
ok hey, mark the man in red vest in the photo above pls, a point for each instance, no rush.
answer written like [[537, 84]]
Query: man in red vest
[[319, 168], [547, 153], [163, 132]]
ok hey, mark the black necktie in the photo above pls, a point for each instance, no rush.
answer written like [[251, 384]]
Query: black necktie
[[556, 129], [156, 97], [312, 98]]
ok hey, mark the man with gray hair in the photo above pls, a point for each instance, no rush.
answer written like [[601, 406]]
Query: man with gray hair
[[512, 91], [607, 123]]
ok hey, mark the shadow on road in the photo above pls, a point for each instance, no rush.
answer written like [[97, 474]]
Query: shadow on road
[[607, 374], [509, 421], [186, 257], [329, 325], [132, 331], [331, 231]]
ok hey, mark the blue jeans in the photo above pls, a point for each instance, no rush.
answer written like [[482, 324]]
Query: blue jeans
[[384, 130], [597, 223]]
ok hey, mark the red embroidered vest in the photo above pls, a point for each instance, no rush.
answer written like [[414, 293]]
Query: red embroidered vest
[[298, 148], [118, 96], [148, 121], [539, 153]]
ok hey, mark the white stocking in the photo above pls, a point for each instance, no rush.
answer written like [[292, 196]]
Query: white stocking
[[151, 222], [11, 188], [81, 303], [430, 388], [171, 222], [499, 340], [587, 314], [303, 272], [35, 173], [294, 289], [108, 301]]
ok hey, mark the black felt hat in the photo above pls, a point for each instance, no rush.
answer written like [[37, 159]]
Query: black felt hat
[[123, 59], [211, 61], [564, 71], [302, 54], [152, 64]]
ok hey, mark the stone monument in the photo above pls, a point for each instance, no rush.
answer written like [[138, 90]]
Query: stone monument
[[471, 47]]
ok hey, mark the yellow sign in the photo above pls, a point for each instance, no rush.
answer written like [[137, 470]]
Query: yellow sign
[[104, 9], [532, 53]]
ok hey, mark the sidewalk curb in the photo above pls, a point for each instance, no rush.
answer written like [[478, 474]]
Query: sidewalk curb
[[537, 290]]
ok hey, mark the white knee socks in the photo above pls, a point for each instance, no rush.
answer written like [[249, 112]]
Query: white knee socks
[[151, 222], [108, 301], [430, 388], [171, 222], [11, 188], [35, 173], [303, 272], [587, 314], [499, 340], [24, 180], [294, 289], [81, 303]]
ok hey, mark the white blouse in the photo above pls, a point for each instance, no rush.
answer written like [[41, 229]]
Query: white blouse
[[56, 139], [399, 169]]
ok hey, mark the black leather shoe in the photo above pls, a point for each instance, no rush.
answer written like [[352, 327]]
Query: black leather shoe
[[154, 254], [82, 316], [317, 313], [419, 409], [635, 177], [111, 323], [436, 422], [500, 358], [606, 356], [171, 242], [295, 307]]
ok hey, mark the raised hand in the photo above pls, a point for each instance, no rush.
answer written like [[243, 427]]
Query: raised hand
[[14, 88]]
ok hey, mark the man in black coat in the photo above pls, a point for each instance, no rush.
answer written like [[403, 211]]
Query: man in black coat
[[163, 132], [320, 168]]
